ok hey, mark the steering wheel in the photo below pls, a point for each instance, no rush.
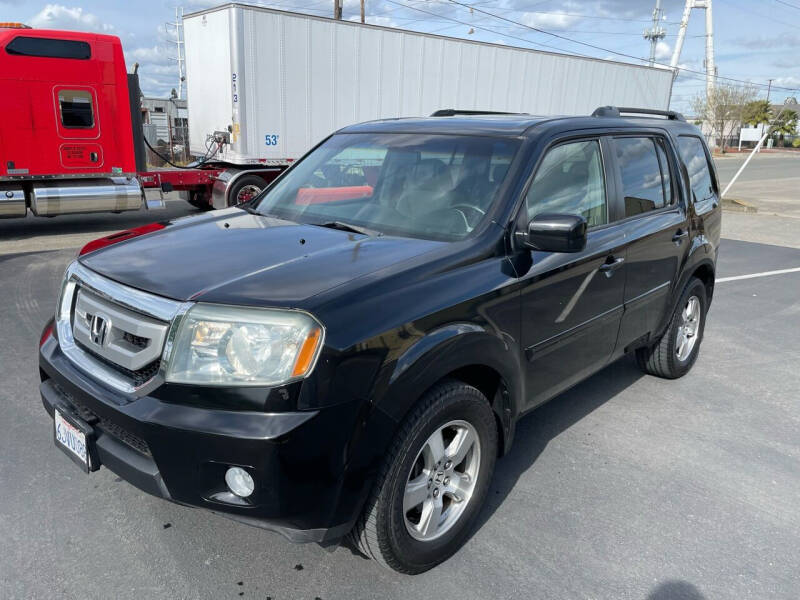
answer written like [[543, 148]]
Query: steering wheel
[[476, 214]]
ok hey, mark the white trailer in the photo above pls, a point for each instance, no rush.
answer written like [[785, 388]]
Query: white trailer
[[280, 82]]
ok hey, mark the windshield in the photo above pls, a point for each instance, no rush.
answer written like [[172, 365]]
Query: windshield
[[427, 186]]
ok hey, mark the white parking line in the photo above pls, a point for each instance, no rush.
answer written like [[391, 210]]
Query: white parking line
[[754, 275]]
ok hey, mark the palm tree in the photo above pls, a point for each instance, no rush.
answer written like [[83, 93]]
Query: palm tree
[[757, 112], [785, 124]]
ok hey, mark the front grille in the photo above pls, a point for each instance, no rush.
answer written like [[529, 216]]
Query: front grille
[[118, 337], [106, 425], [138, 377]]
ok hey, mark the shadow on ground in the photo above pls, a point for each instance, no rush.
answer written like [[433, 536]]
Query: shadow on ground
[[535, 430]]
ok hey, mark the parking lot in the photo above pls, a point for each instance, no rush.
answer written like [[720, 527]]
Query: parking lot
[[627, 486]]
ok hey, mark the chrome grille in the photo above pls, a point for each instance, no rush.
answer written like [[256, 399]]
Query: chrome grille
[[113, 332], [120, 336]]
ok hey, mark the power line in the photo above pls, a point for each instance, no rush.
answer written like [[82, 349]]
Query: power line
[[595, 47], [788, 4]]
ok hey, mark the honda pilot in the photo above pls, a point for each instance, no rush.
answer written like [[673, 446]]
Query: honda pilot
[[346, 355]]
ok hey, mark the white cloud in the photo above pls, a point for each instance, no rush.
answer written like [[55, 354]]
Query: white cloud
[[663, 50], [58, 16], [550, 20], [789, 81]]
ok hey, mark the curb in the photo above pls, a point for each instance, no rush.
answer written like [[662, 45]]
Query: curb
[[738, 205]]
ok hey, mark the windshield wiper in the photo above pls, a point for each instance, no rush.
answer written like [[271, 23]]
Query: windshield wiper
[[342, 226]]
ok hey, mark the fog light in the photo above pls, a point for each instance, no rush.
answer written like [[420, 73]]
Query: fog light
[[239, 482]]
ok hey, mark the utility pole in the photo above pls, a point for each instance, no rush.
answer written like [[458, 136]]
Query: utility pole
[[769, 88], [655, 33], [337, 9], [178, 41], [362, 12]]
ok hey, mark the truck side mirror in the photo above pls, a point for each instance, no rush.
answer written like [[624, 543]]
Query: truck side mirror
[[556, 233]]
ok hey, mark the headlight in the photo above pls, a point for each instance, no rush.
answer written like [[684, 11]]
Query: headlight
[[228, 345]]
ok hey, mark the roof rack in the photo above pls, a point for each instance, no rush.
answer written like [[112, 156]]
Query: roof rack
[[451, 112], [616, 111]]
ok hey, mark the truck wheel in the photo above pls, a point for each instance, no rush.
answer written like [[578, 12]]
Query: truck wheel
[[675, 353], [198, 200], [433, 481], [245, 189]]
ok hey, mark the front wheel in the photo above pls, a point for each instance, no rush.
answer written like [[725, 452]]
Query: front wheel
[[675, 353], [433, 481]]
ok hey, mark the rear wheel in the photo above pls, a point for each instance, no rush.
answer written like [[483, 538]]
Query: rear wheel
[[433, 481], [675, 353], [245, 188]]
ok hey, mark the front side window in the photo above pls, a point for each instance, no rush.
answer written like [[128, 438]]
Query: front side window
[[643, 186], [570, 181], [694, 157], [76, 109], [427, 186]]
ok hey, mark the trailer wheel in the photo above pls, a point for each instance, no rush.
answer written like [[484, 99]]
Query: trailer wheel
[[245, 188]]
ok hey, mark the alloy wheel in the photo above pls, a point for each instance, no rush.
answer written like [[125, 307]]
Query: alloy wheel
[[688, 328], [442, 480]]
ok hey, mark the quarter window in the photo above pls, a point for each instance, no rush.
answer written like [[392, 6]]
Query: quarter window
[[643, 185], [76, 109], [570, 181], [694, 157]]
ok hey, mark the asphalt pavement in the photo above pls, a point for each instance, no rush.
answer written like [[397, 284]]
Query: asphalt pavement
[[625, 487], [770, 182]]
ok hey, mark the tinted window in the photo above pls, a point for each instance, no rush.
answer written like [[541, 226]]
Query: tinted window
[[694, 157], [570, 181], [640, 172], [50, 48], [76, 109], [428, 186]]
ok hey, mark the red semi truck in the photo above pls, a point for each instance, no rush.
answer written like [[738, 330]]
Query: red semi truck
[[71, 135]]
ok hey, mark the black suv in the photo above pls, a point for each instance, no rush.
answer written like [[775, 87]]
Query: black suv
[[348, 353]]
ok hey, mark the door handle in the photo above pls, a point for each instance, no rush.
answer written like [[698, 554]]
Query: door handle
[[609, 267], [679, 235]]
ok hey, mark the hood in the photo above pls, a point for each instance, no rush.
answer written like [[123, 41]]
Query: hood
[[234, 257]]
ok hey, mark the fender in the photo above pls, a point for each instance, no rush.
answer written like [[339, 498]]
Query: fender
[[450, 348], [221, 188], [701, 254]]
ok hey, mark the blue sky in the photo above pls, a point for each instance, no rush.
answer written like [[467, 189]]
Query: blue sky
[[754, 40]]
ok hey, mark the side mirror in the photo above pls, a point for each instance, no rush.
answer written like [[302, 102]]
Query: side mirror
[[556, 233]]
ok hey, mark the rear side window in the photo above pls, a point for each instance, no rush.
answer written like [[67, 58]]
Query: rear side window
[[49, 48], [643, 182], [694, 157], [570, 181], [76, 110]]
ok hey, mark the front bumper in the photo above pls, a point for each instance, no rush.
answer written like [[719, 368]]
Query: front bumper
[[180, 452]]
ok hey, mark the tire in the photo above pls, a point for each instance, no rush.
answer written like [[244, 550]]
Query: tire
[[384, 530], [197, 200], [667, 358], [252, 183]]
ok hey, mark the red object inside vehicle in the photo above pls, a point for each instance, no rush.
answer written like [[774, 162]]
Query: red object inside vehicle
[[115, 238], [307, 196]]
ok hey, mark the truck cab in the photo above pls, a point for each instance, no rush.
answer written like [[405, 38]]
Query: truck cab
[[65, 133]]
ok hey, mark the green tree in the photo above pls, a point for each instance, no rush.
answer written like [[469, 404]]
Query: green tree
[[784, 124], [757, 112]]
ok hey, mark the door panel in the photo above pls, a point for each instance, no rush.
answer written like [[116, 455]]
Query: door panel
[[571, 312], [656, 228], [571, 302]]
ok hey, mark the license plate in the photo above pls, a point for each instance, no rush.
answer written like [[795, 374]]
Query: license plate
[[71, 440]]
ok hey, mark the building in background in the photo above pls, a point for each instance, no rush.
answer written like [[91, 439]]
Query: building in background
[[166, 128]]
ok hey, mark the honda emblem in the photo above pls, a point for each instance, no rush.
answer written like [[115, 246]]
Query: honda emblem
[[99, 327]]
